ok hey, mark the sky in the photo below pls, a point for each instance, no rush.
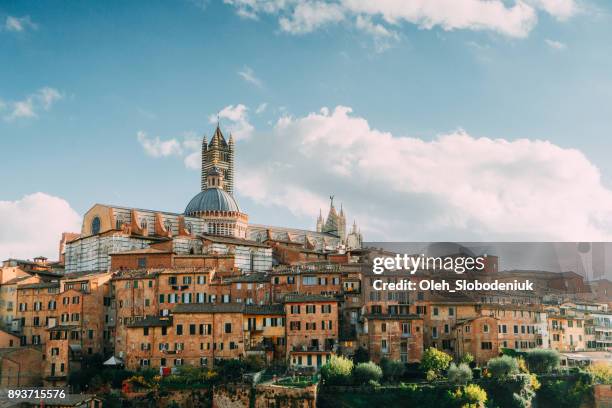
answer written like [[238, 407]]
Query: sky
[[465, 120]]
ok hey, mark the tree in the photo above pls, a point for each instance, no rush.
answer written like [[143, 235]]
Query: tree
[[542, 361], [337, 371], [361, 355], [601, 372], [365, 373], [504, 366], [392, 369], [467, 358], [459, 375], [434, 362]]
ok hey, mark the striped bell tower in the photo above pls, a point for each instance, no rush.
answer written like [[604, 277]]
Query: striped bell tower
[[218, 153]]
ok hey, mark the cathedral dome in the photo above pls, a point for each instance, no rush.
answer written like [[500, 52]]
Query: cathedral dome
[[211, 199]]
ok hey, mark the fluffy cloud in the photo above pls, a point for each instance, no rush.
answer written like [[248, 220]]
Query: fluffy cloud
[[238, 117], [557, 45], [188, 147], [43, 99], [159, 148], [248, 75], [33, 225], [513, 19], [308, 16], [19, 24], [453, 187]]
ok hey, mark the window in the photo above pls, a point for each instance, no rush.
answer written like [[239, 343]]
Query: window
[[451, 311], [179, 329], [142, 263], [325, 308], [435, 311], [434, 332], [485, 328], [468, 329], [310, 309], [384, 346], [486, 345], [192, 329], [294, 325], [309, 280], [228, 327], [172, 280], [295, 309], [95, 227], [405, 328], [186, 280], [383, 327], [291, 279], [145, 331]]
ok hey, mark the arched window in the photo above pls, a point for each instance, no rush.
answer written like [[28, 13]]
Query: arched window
[[168, 225], [119, 223], [188, 227], [95, 226], [143, 223]]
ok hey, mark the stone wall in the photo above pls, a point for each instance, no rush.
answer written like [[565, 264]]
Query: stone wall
[[263, 396], [268, 395], [603, 396], [232, 396]]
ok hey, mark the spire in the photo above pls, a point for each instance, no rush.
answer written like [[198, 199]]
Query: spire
[[231, 139], [202, 169]]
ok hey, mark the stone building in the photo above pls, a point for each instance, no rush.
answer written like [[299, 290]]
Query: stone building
[[311, 329]]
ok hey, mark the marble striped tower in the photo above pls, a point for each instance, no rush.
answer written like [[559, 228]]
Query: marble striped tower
[[218, 153]]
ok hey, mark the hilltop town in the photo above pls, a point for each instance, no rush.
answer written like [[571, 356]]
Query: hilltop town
[[148, 289]]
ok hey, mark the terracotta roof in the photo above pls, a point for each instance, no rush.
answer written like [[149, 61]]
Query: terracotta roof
[[151, 321], [250, 278], [64, 327], [232, 240], [300, 298], [208, 308], [380, 316], [141, 251], [41, 285], [264, 309]]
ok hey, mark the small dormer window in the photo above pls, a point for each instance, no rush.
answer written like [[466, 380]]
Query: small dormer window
[[95, 225], [143, 223]]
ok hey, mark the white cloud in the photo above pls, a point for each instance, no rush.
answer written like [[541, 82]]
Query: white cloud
[[510, 18], [308, 16], [248, 75], [383, 37], [453, 187], [239, 125], [33, 225], [560, 9], [159, 148], [260, 109], [557, 45], [43, 99], [19, 24]]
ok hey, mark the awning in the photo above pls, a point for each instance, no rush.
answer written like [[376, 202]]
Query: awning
[[113, 361]]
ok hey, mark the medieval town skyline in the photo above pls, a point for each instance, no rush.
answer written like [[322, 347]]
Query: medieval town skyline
[[487, 148]]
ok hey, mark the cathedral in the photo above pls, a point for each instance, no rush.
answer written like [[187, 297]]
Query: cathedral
[[211, 221], [335, 224]]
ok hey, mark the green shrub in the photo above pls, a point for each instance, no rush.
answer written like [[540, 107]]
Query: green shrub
[[477, 373], [503, 366], [337, 371], [467, 358], [601, 372], [513, 391], [564, 393], [364, 373], [392, 369], [470, 396], [434, 362], [459, 375], [542, 361]]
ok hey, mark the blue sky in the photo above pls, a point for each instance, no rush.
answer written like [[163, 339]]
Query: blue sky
[[92, 75]]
